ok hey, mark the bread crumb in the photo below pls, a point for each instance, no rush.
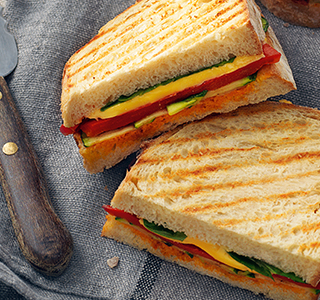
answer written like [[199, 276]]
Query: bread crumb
[[286, 25], [113, 262], [106, 187], [285, 101]]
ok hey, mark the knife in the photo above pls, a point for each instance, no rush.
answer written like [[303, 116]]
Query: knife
[[44, 240]]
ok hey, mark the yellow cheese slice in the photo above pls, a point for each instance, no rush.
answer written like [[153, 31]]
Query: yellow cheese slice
[[217, 252], [173, 87]]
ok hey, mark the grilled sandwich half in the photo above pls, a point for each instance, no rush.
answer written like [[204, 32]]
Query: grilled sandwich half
[[235, 196], [160, 64]]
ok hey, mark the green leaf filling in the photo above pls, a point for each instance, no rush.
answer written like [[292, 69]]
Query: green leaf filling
[[290, 275], [252, 77], [143, 91], [263, 267], [85, 139], [122, 220], [265, 24], [252, 264], [220, 64], [251, 275], [162, 231], [194, 98], [243, 273], [191, 255]]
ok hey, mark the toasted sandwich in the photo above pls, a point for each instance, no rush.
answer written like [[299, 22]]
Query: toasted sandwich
[[234, 196], [160, 64]]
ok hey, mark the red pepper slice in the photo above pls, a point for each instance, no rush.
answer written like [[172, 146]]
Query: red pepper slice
[[122, 214], [68, 130], [134, 220], [302, 2], [306, 285], [95, 127]]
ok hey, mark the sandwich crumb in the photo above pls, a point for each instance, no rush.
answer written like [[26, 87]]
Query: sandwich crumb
[[286, 25], [285, 101], [113, 262]]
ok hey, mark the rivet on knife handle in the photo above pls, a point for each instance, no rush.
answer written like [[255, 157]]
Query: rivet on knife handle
[[44, 240]]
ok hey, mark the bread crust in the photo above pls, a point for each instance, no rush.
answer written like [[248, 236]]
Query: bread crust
[[277, 289], [295, 12], [272, 80]]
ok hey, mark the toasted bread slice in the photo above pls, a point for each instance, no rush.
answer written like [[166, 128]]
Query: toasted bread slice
[[272, 80], [153, 41], [274, 289], [247, 180]]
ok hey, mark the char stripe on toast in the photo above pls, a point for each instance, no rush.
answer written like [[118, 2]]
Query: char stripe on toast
[[171, 25]]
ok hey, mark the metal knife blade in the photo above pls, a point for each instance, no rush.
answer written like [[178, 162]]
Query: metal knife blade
[[8, 49], [44, 240]]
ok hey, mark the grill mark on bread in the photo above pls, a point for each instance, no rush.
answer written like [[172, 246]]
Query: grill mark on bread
[[182, 34], [206, 188], [309, 227], [310, 246], [233, 204], [269, 217], [108, 30], [205, 21], [202, 153], [226, 132], [116, 35], [122, 34], [234, 222], [100, 46], [219, 152], [298, 156], [204, 171], [272, 217]]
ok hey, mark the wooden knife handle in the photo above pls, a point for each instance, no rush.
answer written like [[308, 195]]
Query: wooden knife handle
[[44, 240]]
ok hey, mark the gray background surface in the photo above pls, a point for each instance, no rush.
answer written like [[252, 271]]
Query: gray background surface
[[47, 34]]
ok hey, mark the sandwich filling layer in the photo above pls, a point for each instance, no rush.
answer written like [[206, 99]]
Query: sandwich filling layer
[[171, 109], [192, 246], [203, 84]]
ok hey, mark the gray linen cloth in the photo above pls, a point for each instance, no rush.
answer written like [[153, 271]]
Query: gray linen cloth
[[47, 34]]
